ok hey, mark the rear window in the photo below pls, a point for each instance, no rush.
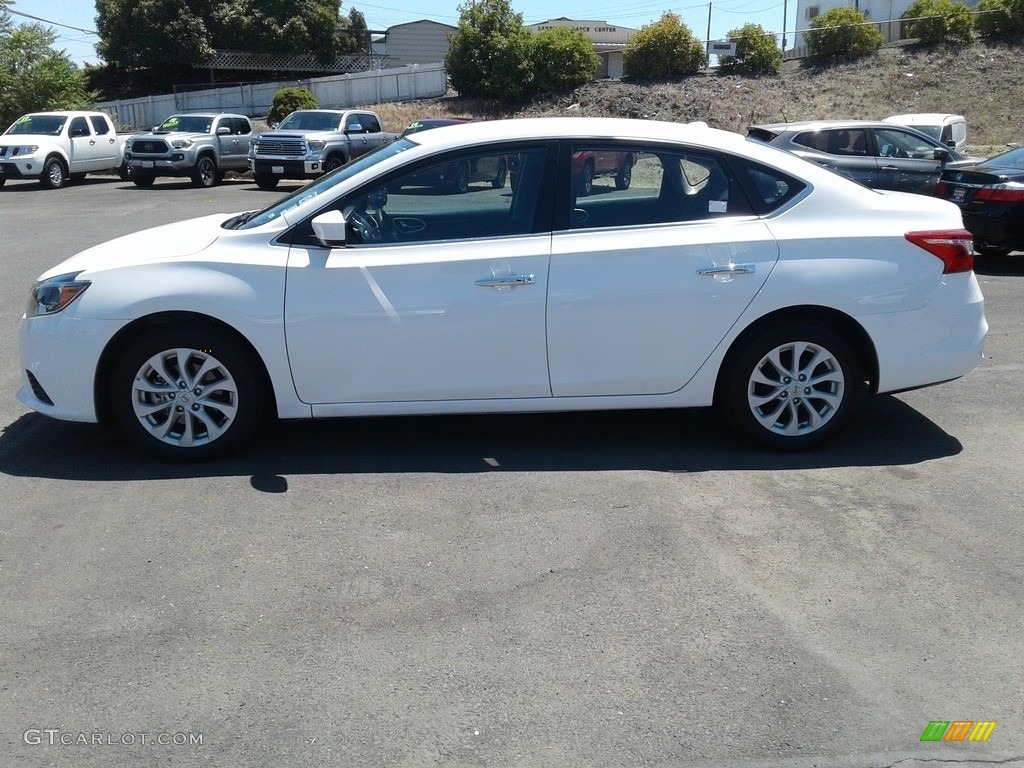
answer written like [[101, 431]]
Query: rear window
[[768, 188], [761, 134]]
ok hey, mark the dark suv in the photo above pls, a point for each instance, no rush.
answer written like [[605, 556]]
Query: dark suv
[[878, 155]]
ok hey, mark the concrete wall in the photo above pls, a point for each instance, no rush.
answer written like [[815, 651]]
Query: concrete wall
[[418, 42]]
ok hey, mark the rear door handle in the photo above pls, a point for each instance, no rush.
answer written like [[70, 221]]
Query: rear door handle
[[729, 269], [492, 282]]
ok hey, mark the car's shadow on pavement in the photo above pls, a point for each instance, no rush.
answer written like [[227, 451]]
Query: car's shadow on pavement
[[885, 432]]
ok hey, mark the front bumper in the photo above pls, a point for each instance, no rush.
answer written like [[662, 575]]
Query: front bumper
[[21, 167], [62, 353], [176, 165], [287, 169]]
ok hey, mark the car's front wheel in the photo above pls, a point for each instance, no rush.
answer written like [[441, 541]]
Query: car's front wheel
[[54, 174], [498, 182], [792, 387], [186, 393], [585, 184], [205, 173], [143, 179], [266, 181]]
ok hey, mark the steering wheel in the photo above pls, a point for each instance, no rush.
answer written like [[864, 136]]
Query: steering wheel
[[366, 226]]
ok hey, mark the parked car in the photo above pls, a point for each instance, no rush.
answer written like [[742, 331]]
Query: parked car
[[728, 274], [432, 122], [311, 142], [990, 195], [202, 146], [878, 155], [457, 177], [55, 147], [949, 130], [593, 164]]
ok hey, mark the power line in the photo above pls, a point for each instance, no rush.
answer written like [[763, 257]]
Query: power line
[[54, 23]]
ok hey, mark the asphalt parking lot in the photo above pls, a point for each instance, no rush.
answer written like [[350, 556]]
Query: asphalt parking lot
[[550, 590]]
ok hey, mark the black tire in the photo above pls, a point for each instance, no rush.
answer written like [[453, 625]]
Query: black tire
[[266, 181], [461, 181], [2, 181], [585, 184], [175, 416], [54, 175], [498, 182], [143, 179], [763, 395], [124, 171], [625, 175], [205, 172], [76, 178], [333, 163]]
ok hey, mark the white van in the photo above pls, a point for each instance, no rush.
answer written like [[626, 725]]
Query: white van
[[951, 130]]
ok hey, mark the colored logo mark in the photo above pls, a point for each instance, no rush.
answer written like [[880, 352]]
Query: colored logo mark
[[958, 730]]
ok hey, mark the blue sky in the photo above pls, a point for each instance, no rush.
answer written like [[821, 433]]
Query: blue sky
[[380, 14]]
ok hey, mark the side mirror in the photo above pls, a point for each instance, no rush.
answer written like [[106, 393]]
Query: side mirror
[[943, 155], [330, 228], [353, 128], [223, 131]]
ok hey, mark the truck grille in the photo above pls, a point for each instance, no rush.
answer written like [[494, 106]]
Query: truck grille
[[150, 147], [280, 146]]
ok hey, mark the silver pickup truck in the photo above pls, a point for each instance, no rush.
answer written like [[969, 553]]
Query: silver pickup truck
[[311, 142], [202, 146]]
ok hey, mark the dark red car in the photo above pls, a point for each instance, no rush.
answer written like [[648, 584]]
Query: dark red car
[[589, 165]]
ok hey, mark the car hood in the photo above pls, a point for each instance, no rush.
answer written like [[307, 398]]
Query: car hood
[[170, 241], [172, 136], [297, 134], [22, 139]]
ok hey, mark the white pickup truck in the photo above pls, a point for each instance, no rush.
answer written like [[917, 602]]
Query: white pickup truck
[[54, 147]]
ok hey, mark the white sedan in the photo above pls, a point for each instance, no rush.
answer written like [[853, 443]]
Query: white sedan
[[727, 273]]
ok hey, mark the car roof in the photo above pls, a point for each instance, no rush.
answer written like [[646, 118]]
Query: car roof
[[923, 118], [815, 125]]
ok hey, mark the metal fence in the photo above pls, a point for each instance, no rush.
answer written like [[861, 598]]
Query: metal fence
[[414, 81]]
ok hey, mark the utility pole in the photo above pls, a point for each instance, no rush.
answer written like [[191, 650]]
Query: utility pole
[[709, 24], [784, 14]]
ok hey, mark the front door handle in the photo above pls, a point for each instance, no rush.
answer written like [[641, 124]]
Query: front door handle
[[729, 269], [493, 282]]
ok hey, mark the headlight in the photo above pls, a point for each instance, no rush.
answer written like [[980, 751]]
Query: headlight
[[317, 144], [24, 150], [181, 143], [52, 295]]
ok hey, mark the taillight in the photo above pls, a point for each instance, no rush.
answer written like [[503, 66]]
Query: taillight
[[1011, 192], [940, 190], [954, 246]]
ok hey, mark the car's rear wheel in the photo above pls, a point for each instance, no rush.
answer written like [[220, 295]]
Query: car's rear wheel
[[991, 251], [586, 181], [186, 393], [143, 179], [792, 387], [205, 173], [625, 174], [461, 180], [54, 175], [498, 182], [266, 181]]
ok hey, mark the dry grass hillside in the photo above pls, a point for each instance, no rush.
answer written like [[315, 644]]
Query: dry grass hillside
[[981, 82]]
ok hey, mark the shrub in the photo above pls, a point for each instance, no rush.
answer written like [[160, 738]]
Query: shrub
[[937, 21], [665, 48], [287, 100], [756, 52], [842, 32], [1000, 19], [489, 55], [563, 58]]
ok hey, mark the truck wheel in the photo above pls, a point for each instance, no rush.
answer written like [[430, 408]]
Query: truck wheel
[[585, 183], [124, 171], [2, 181], [498, 182], [143, 179], [205, 174], [333, 163], [54, 176], [265, 181]]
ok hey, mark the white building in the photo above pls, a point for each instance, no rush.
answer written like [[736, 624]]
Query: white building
[[885, 13], [609, 41], [417, 42]]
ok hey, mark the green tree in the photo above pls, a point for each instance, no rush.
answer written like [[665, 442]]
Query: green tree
[[563, 58], [937, 21], [756, 52], [489, 55], [33, 76], [287, 100], [842, 32], [666, 48], [280, 26], [355, 34], [1000, 19], [153, 33]]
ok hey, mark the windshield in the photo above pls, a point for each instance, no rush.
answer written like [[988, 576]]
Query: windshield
[[324, 184], [40, 125], [310, 121], [186, 124], [935, 131]]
